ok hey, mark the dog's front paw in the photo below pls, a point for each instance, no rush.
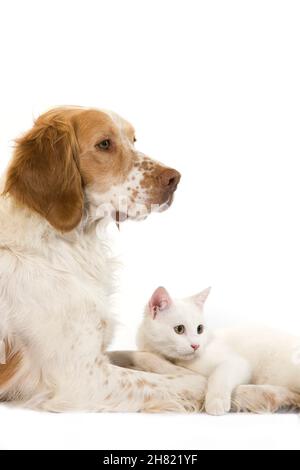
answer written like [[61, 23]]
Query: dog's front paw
[[217, 405]]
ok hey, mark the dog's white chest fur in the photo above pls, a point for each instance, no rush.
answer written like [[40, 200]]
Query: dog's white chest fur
[[61, 288]]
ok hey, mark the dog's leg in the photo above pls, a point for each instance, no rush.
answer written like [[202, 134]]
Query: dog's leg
[[130, 390], [146, 362], [86, 380], [112, 389], [263, 399]]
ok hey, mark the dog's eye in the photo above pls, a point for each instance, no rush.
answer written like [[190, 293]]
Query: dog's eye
[[200, 329], [180, 329], [104, 145], [134, 140]]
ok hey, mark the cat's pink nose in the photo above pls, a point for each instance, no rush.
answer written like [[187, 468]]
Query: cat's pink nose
[[195, 346]]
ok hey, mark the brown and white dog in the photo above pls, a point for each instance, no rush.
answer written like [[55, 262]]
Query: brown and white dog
[[75, 170]]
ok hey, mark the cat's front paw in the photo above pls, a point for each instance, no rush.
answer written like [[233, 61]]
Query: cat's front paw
[[217, 405]]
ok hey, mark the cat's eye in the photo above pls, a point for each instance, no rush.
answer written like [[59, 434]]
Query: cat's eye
[[180, 329], [104, 144], [200, 329]]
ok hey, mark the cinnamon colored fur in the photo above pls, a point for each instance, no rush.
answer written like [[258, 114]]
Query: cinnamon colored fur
[[11, 367]]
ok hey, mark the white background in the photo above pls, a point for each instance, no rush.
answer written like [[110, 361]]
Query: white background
[[213, 88]]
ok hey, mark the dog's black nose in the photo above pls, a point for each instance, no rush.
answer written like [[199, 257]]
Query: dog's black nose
[[169, 178]]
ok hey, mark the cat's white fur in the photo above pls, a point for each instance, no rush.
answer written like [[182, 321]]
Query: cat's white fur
[[228, 358]]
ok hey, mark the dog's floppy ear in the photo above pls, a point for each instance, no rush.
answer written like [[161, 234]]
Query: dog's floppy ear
[[44, 174]]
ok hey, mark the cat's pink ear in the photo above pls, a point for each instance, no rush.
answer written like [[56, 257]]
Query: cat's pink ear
[[160, 301], [201, 298]]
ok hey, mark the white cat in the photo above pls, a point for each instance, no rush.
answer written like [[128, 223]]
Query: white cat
[[176, 330]]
